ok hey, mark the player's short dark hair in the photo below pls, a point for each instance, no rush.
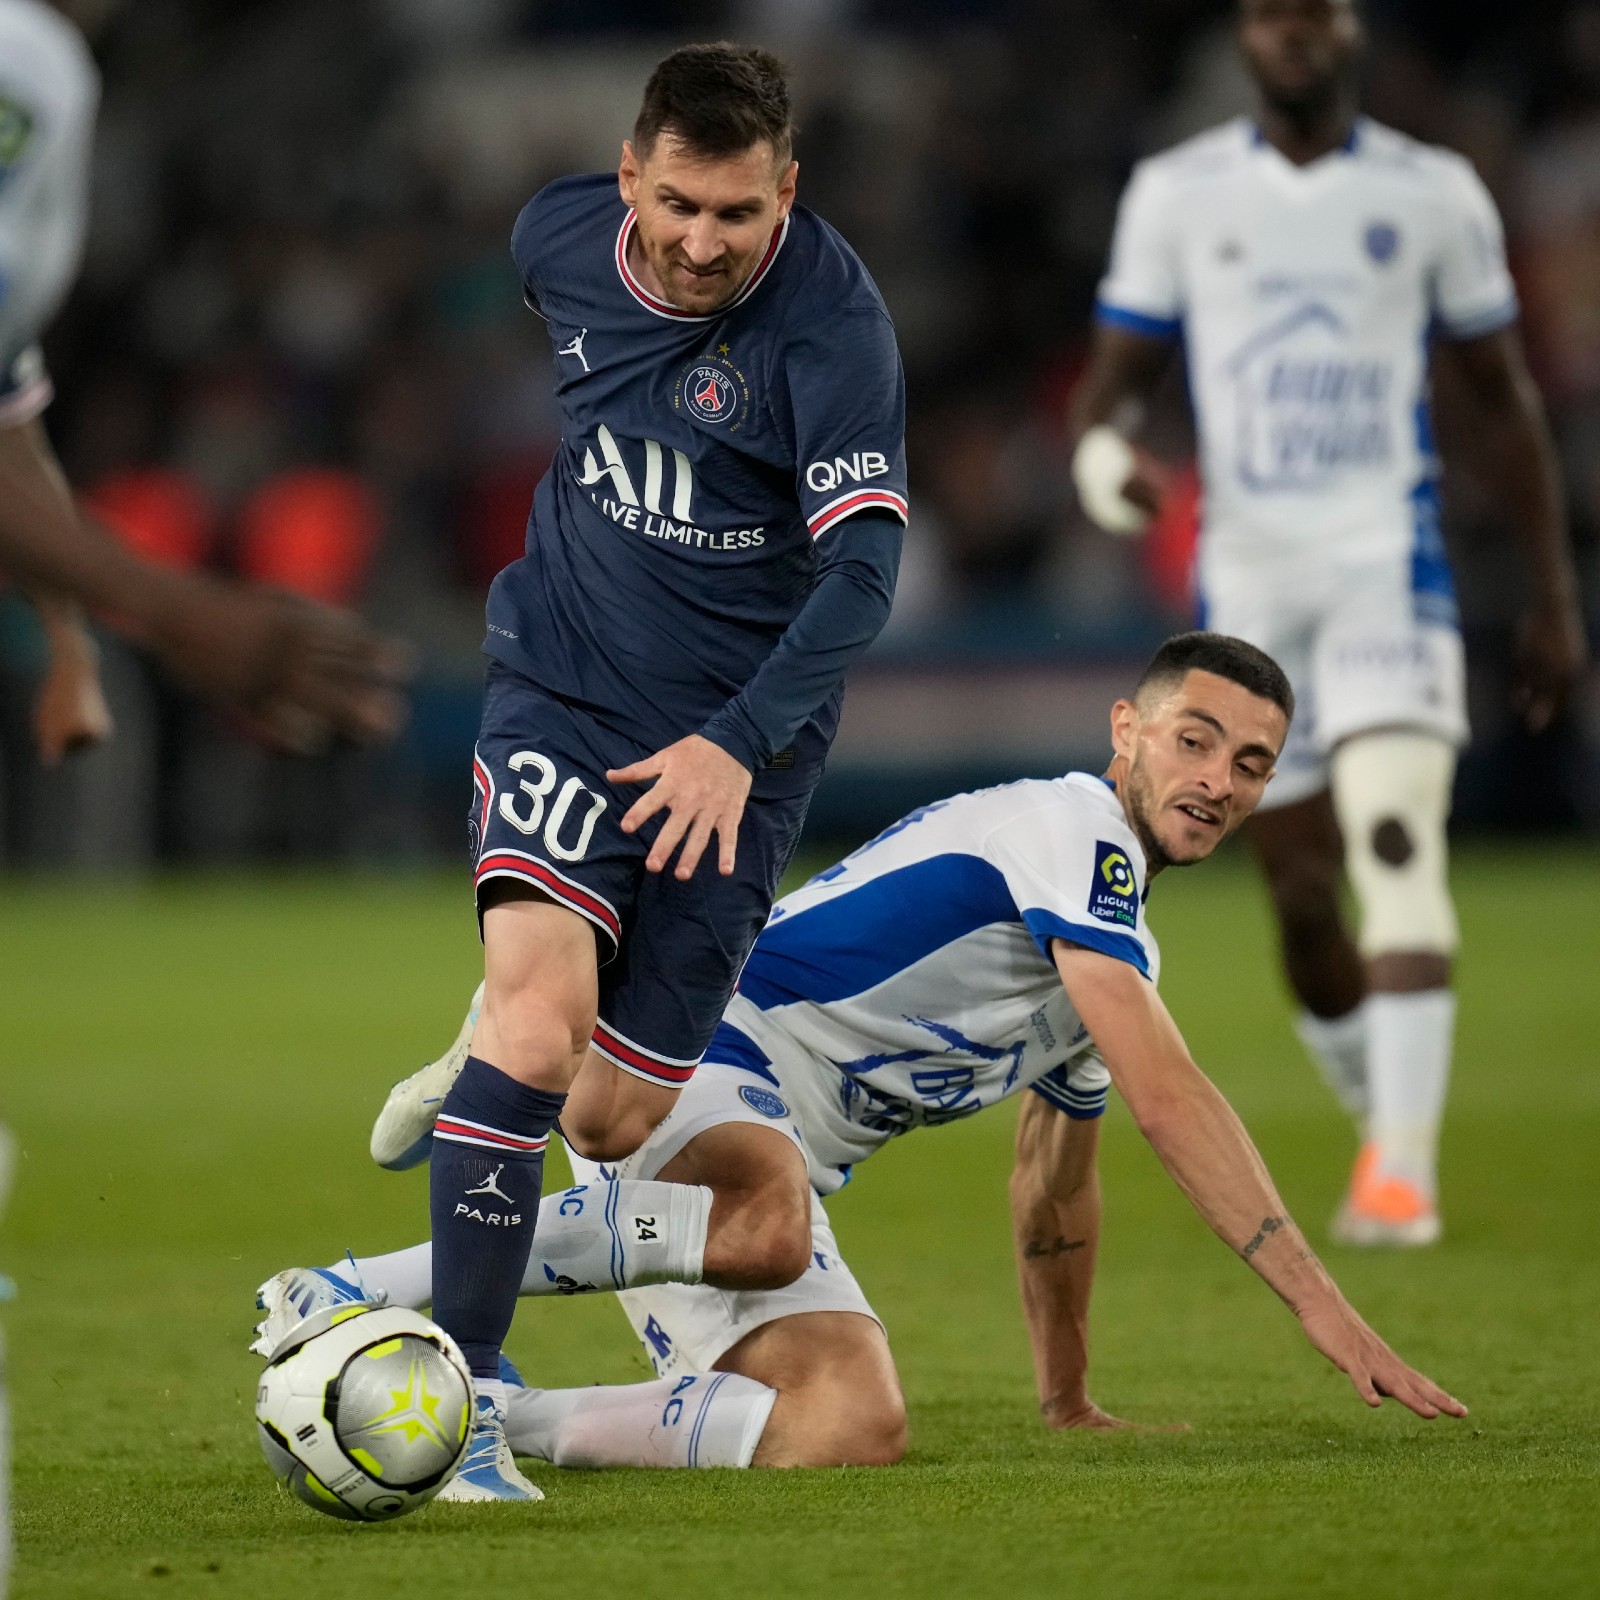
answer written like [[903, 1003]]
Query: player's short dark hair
[[718, 100], [1224, 656]]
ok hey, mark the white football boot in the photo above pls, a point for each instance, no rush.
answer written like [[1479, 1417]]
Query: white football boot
[[290, 1296], [489, 1473], [402, 1137]]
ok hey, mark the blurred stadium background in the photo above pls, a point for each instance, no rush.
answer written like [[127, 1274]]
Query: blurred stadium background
[[298, 352]]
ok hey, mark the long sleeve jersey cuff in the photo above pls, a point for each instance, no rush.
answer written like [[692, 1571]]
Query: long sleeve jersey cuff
[[843, 615]]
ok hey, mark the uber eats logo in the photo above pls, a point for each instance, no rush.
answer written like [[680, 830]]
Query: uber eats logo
[[1113, 890]]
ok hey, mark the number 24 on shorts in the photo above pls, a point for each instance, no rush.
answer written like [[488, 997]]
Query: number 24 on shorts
[[555, 821]]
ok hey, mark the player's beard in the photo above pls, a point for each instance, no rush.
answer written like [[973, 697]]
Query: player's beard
[[1139, 796], [1142, 807], [673, 274]]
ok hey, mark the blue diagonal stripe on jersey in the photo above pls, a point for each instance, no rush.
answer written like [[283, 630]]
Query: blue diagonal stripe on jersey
[[731, 1048], [859, 939]]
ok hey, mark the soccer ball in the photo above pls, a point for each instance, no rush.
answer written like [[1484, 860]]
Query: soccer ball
[[365, 1411]]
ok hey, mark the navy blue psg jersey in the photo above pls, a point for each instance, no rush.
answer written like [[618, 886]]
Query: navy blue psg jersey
[[673, 539]]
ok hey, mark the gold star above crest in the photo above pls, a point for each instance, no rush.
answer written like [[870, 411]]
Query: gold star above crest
[[722, 349]]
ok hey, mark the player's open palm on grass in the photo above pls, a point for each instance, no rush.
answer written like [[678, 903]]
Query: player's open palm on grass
[[702, 789], [1340, 1333]]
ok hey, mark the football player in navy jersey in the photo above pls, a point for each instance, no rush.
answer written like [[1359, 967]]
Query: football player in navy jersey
[[716, 540]]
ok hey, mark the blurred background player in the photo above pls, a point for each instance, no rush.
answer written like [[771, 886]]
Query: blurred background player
[[716, 540], [988, 944], [7, 1156], [1313, 263], [297, 672]]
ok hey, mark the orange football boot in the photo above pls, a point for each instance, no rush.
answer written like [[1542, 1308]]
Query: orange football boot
[[1384, 1211]]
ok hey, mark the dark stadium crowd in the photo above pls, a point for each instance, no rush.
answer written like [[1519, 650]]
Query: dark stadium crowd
[[298, 350]]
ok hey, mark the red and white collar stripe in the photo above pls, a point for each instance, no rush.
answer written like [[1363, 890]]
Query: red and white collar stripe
[[664, 308]]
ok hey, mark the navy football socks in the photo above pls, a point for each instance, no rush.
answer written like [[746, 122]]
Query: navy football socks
[[488, 1166]]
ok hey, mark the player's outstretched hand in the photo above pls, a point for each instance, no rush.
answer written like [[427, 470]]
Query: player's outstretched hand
[[702, 789], [1551, 652], [1375, 1370], [299, 673], [1085, 1414]]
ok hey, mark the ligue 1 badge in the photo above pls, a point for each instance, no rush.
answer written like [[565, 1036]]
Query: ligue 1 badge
[[1113, 891], [714, 391]]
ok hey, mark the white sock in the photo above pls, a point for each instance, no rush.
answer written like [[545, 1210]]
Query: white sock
[[1338, 1046], [1409, 1038], [404, 1277], [707, 1420], [622, 1235]]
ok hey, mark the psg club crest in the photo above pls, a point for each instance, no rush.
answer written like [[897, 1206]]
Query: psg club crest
[[1382, 241], [710, 394], [715, 392]]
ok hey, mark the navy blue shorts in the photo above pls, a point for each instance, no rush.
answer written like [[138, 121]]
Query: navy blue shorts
[[670, 952]]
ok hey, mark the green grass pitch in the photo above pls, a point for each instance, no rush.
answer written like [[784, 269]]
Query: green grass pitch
[[192, 1070]]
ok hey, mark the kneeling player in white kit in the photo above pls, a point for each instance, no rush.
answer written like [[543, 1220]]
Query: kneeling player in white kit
[[987, 944], [1313, 263]]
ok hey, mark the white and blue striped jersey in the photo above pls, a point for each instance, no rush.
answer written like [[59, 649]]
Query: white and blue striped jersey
[[49, 90], [1305, 298], [920, 966]]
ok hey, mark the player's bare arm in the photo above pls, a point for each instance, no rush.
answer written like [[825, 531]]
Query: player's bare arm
[[1514, 455], [297, 670], [1205, 1148], [1055, 1222], [1124, 368]]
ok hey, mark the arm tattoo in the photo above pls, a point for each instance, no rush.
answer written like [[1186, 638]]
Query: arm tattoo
[[1269, 1226], [1038, 1250]]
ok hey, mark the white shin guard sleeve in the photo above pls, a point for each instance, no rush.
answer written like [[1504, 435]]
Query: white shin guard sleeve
[[1391, 790], [623, 1235], [712, 1419]]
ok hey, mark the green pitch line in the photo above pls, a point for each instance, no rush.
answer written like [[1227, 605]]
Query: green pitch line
[[192, 1071]]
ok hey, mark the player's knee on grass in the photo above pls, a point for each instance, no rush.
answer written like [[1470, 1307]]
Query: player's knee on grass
[[834, 1428], [839, 1401]]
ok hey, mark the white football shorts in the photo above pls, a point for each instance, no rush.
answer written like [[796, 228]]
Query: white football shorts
[[1359, 652], [689, 1327]]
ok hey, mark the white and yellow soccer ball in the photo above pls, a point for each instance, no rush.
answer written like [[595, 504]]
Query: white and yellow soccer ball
[[365, 1412]]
